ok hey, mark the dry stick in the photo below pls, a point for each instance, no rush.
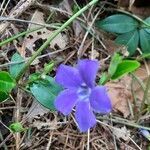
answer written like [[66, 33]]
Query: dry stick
[[127, 123], [114, 128], [17, 114], [2, 4], [16, 11], [42, 56], [52, 37], [26, 21], [88, 140], [146, 94], [5, 8], [87, 32], [6, 139], [49, 141]]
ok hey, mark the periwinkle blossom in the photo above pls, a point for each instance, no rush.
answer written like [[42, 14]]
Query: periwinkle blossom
[[81, 92], [145, 133]]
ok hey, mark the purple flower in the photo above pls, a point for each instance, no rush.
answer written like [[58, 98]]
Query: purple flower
[[80, 91], [145, 133]]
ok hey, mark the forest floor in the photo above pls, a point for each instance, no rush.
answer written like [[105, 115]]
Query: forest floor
[[44, 129]]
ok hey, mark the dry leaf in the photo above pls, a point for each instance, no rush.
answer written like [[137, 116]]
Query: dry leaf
[[35, 111], [119, 94], [121, 133], [120, 91], [67, 6], [59, 41], [45, 125], [142, 74]]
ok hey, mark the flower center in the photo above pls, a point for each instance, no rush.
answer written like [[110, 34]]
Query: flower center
[[84, 92]]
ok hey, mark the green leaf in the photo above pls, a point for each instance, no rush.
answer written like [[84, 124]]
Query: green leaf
[[148, 21], [15, 68], [34, 77], [3, 96], [45, 92], [48, 67], [104, 78], [145, 41], [16, 127], [6, 82], [118, 24], [125, 67], [130, 40], [116, 59]]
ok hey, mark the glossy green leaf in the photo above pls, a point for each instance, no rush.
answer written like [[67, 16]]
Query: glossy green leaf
[[130, 40], [16, 127], [116, 59], [145, 41], [118, 24], [45, 92], [125, 67], [6, 82], [3, 96], [15, 68]]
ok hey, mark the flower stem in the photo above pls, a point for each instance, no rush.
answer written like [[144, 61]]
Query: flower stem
[[18, 35], [21, 73]]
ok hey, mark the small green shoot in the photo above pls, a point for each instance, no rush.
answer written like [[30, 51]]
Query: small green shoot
[[17, 127]]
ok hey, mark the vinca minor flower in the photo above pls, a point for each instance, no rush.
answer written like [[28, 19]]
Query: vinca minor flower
[[81, 92]]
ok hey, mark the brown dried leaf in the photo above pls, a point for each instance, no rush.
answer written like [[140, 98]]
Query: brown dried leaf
[[59, 41], [122, 133], [142, 74], [119, 94], [45, 125], [35, 111], [120, 91]]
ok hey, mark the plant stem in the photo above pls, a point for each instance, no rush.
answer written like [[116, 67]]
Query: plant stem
[[146, 95], [52, 37], [19, 35], [131, 124]]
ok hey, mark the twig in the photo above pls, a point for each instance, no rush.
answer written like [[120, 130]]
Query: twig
[[131, 124], [49, 141], [145, 97], [42, 56], [1, 138], [6, 139], [18, 116], [26, 21], [17, 11], [18, 35], [88, 139], [86, 34], [119, 131], [5, 8]]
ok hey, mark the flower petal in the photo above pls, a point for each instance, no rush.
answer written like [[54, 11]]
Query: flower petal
[[65, 101], [84, 116], [88, 70], [99, 100], [68, 77]]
